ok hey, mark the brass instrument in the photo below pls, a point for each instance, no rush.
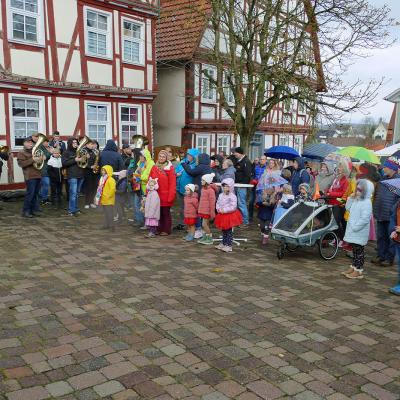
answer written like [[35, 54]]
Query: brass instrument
[[82, 152], [37, 152], [139, 142], [96, 166], [4, 149]]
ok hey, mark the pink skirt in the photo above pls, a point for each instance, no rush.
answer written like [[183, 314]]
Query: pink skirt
[[151, 222]]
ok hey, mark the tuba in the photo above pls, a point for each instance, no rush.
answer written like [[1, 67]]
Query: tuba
[[139, 142], [81, 152], [37, 152], [4, 150]]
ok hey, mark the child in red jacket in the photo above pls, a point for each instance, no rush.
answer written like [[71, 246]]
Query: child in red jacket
[[191, 205], [207, 207]]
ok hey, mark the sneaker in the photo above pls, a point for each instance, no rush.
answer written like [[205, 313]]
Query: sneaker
[[198, 234], [87, 207], [77, 213], [347, 247], [207, 240], [93, 206], [143, 228], [355, 275], [27, 215], [227, 249], [376, 260], [150, 235], [70, 214], [131, 220], [116, 219], [395, 290], [265, 239], [220, 246], [349, 271], [188, 238]]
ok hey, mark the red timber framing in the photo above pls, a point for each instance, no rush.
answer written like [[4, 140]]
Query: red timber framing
[[58, 57]]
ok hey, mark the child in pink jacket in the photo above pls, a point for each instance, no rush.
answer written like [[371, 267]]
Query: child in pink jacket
[[228, 214], [207, 207], [152, 207], [190, 210]]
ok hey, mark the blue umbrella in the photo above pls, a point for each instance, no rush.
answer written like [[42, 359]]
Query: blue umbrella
[[393, 185], [282, 153], [318, 151]]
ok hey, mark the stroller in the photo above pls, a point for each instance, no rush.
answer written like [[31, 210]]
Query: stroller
[[307, 224]]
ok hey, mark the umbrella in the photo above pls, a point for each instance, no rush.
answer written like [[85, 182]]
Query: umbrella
[[336, 158], [360, 153], [388, 151], [318, 151], [282, 153], [393, 185], [268, 182]]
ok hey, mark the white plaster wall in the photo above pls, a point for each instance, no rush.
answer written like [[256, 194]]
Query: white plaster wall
[[2, 116], [50, 115], [18, 174], [27, 63], [116, 31], [67, 115], [150, 77], [1, 52], [1, 20], [149, 41], [74, 71], [133, 78], [65, 14], [169, 107], [100, 74]]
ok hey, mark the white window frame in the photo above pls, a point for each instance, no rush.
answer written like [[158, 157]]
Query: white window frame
[[228, 92], [141, 41], [41, 120], [108, 123], [208, 145], [228, 144], [212, 100], [138, 124], [39, 24], [95, 30]]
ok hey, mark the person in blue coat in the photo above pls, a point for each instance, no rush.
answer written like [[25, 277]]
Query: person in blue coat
[[203, 167], [359, 205], [183, 179], [394, 229], [110, 156], [299, 175]]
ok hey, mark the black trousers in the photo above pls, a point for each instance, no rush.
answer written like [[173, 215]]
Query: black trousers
[[108, 216], [56, 189], [90, 188], [338, 213]]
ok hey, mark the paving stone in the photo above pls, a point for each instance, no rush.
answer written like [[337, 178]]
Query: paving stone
[[7, 343], [119, 369], [86, 380], [60, 388], [33, 393], [108, 388], [265, 390], [172, 350]]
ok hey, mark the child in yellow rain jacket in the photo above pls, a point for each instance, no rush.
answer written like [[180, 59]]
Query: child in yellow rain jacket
[[105, 196]]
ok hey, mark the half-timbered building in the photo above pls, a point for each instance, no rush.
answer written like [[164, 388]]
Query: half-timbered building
[[187, 111], [82, 67]]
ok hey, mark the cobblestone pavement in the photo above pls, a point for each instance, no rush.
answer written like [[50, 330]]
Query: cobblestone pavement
[[87, 315]]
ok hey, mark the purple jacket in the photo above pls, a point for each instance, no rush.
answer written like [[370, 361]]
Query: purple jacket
[[152, 203], [227, 203]]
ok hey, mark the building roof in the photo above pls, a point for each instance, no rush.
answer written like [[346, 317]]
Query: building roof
[[394, 97], [180, 28], [346, 141]]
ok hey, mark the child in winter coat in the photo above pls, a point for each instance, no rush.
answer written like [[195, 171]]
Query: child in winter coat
[[207, 207], [152, 207], [286, 201], [265, 202], [228, 214], [105, 196], [357, 230], [191, 205], [54, 169]]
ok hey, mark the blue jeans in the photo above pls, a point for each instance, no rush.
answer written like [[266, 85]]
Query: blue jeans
[[31, 200], [386, 248], [137, 214], [80, 184], [44, 188], [252, 202], [73, 194], [241, 194]]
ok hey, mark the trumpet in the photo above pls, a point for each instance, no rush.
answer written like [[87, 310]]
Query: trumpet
[[37, 152]]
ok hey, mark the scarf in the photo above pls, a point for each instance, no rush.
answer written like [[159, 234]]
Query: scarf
[[100, 189]]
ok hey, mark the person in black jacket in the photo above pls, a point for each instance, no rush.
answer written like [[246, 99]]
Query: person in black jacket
[[203, 167], [126, 155], [91, 176], [74, 174], [243, 168], [110, 156]]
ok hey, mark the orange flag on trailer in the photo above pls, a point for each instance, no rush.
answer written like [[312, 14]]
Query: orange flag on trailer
[[317, 195]]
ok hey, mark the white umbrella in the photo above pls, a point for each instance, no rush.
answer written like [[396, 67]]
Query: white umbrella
[[388, 151]]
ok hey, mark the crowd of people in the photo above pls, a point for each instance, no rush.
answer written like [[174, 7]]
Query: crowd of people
[[222, 189]]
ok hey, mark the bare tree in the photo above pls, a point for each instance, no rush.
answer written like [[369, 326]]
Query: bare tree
[[271, 52]]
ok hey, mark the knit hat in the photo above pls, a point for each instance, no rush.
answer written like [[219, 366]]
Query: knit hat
[[191, 187], [208, 178], [306, 186], [164, 152], [239, 150], [393, 162]]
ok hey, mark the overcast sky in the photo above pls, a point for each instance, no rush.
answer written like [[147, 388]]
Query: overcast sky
[[382, 63]]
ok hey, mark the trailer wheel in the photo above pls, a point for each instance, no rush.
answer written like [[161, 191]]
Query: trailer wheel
[[291, 247], [328, 245], [281, 251]]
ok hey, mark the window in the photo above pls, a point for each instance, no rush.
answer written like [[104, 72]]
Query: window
[[98, 33], [228, 93], [284, 140], [298, 144], [203, 143], [133, 42], [223, 144], [26, 21], [208, 89], [130, 122], [27, 118], [98, 122]]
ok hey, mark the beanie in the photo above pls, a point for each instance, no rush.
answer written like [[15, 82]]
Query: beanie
[[208, 178], [393, 162], [239, 150], [191, 187]]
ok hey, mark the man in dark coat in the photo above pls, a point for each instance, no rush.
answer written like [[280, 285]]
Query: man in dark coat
[[110, 156], [382, 207], [299, 175], [203, 167], [126, 155], [57, 142], [243, 168]]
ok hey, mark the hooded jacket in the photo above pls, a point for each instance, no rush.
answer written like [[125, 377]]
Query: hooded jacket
[[227, 203], [110, 156], [202, 168], [299, 176], [357, 229], [166, 184], [384, 201], [152, 203], [109, 189], [68, 162], [184, 178], [324, 181], [144, 176], [191, 205]]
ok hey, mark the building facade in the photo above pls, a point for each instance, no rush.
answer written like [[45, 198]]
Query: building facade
[[82, 67], [393, 135], [187, 111]]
